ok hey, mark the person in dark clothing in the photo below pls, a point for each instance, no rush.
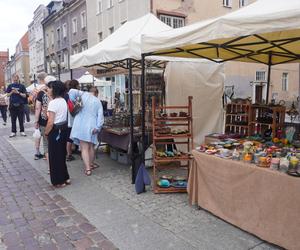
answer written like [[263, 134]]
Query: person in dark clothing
[[26, 109], [17, 93]]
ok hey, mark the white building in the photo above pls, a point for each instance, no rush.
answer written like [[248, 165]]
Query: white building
[[36, 41]]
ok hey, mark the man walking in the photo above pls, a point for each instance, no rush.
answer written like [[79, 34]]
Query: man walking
[[17, 94]]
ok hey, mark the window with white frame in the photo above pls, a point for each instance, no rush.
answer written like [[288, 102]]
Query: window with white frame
[[227, 3], [285, 81], [260, 76], [99, 6], [242, 3], [173, 21], [83, 19], [74, 25], [84, 46], [110, 4], [64, 30], [74, 50]]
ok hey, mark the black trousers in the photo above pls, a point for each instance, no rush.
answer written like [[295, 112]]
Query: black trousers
[[26, 113], [57, 141], [17, 112], [3, 110]]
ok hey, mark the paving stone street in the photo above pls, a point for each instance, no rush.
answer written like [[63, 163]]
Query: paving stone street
[[97, 210], [34, 216]]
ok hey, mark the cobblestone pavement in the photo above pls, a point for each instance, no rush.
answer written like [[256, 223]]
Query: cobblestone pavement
[[34, 216], [145, 221]]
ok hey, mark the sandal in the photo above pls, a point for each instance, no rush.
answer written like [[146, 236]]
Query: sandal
[[68, 182], [94, 166], [88, 172]]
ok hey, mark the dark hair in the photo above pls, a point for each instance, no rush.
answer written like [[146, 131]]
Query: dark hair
[[73, 84], [94, 90], [58, 89]]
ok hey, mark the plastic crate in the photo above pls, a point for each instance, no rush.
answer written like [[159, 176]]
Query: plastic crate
[[113, 154], [124, 158]]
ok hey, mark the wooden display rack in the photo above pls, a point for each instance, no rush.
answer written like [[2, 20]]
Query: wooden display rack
[[238, 117], [167, 121], [276, 116]]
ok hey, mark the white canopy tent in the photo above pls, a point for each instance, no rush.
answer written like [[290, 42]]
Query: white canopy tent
[[249, 34], [266, 31], [124, 43], [88, 78]]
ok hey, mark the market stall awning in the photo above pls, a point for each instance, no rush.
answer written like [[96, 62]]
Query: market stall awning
[[123, 44], [267, 31]]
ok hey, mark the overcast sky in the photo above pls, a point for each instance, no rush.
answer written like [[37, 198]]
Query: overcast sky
[[15, 17]]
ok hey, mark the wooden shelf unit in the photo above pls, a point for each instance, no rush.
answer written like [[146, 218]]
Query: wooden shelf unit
[[185, 139], [276, 115], [237, 118]]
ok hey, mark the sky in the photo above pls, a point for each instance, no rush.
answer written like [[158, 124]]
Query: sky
[[15, 17]]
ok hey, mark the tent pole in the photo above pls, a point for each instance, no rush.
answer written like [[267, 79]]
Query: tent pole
[[71, 74], [131, 122], [143, 107], [269, 78]]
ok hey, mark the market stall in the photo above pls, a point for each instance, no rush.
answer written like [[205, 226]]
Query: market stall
[[256, 191]]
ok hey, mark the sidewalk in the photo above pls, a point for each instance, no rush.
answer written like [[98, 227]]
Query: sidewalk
[[147, 221]]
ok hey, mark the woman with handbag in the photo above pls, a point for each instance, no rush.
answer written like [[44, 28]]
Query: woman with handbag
[[87, 124], [57, 132]]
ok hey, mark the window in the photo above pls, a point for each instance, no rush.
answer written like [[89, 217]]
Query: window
[[84, 47], [110, 4], [64, 30], [99, 6], [52, 37], [173, 21], [242, 3], [47, 41], [227, 3], [74, 25], [260, 76], [83, 19], [66, 61], [75, 49], [285, 82], [111, 30], [58, 35], [100, 36]]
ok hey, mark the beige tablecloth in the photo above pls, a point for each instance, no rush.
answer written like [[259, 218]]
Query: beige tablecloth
[[261, 201]]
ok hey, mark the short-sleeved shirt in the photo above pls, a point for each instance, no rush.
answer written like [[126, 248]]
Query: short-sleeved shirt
[[60, 108], [44, 99], [16, 98]]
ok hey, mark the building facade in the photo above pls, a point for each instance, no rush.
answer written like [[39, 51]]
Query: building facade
[[4, 55], [246, 79], [10, 70], [65, 33], [21, 60], [36, 42]]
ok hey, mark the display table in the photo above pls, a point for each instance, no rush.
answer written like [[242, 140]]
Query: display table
[[261, 201], [116, 139]]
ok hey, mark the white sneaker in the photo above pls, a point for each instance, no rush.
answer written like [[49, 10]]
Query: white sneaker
[[22, 134], [12, 135]]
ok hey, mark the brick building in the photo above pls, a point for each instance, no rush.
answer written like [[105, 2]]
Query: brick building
[[3, 62]]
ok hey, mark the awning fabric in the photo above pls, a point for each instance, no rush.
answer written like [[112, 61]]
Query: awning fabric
[[123, 44], [88, 78], [266, 31]]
